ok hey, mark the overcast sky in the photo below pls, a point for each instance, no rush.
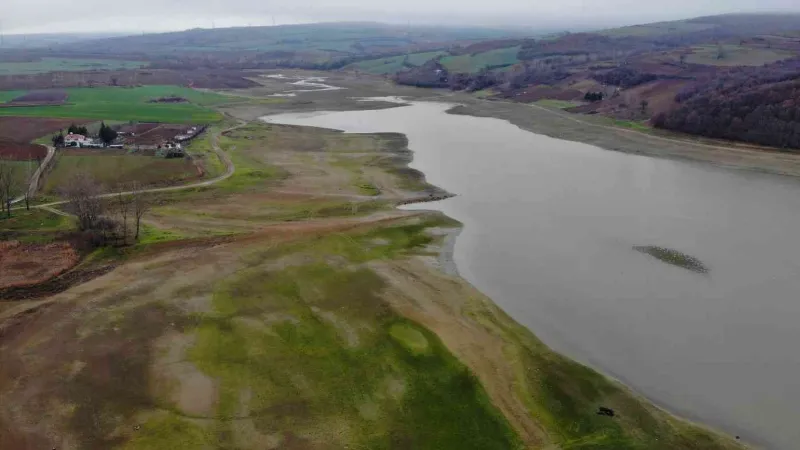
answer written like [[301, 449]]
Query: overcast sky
[[42, 16]]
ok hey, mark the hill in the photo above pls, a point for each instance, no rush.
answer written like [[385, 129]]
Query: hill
[[287, 45], [638, 72]]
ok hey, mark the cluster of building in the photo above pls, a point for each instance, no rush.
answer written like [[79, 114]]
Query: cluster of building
[[81, 141]]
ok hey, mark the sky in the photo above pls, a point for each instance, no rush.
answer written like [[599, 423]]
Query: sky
[[57, 16]]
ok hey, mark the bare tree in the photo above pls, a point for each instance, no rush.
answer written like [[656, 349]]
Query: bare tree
[[81, 192], [124, 204], [8, 185], [141, 205]]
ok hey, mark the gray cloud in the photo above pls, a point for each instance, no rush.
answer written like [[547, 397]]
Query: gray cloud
[[26, 16]]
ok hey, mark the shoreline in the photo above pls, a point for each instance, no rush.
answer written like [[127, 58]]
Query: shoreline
[[447, 265], [540, 120]]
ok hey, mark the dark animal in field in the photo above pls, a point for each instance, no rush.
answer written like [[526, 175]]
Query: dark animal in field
[[603, 411]]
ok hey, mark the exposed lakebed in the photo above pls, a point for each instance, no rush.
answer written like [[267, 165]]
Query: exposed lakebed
[[590, 250]]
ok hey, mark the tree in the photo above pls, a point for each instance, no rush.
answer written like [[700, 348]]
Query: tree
[[8, 187], [107, 134], [124, 203], [74, 129], [141, 205], [82, 193], [58, 139]]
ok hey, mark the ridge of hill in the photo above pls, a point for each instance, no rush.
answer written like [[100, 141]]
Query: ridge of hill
[[736, 72]]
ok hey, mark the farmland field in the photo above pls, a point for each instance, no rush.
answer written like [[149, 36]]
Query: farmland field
[[735, 55], [476, 62], [63, 64], [26, 129], [395, 63], [110, 168], [117, 103]]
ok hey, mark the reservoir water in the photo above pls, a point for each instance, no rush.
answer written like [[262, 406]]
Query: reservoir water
[[549, 231]]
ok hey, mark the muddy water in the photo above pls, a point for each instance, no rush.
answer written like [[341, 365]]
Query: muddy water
[[549, 231]]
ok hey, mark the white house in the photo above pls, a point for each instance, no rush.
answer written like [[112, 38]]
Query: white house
[[75, 140]]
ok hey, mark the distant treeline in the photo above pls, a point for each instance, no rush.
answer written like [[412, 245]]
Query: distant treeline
[[434, 75], [760, 105]]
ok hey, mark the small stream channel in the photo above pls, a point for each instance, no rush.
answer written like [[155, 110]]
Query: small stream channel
[[551, 232]]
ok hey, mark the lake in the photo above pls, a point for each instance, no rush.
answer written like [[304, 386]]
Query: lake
[[549, 231]]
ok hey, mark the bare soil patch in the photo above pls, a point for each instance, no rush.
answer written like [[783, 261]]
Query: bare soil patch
[[38, 98], [24, 265], [26, 129], [17, 151]]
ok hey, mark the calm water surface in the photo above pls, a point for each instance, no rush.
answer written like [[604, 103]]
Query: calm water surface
[[549, 231]]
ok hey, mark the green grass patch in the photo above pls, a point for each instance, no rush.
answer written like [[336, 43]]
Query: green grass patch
[[121, 103], [34, 220], [474, 63], [168, 431], [6, 96], [35, 226], [557, 104], [149, 234], [633, 125], [673, 257], [45, 65], [394, 64], [313, 346], [735, 55], [411, 338]]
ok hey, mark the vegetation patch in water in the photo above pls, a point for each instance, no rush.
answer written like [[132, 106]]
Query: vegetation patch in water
[[673, 257]]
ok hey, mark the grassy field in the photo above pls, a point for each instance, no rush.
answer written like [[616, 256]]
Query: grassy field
[[21, 172], [63, 64], [117, 103], [557, 104], [735, 55], [474, 63], [395, 63], [10, 95], [111, 168]]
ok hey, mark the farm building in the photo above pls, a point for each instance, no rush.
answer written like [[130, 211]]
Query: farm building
[[75, 140]]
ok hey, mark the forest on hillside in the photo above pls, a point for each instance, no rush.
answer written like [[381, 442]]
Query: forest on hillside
[[760, 105]]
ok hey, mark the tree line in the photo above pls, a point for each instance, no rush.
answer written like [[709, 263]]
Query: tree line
[[104, 220], [757, 105]]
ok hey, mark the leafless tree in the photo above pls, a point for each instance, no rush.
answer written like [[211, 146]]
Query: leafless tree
[[81, 192], [124, 204], [141, 204], [8, 185]]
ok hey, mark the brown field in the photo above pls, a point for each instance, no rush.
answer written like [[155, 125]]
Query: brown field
[[152, 133], [30, 264], [17, 151], [26, 129]]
